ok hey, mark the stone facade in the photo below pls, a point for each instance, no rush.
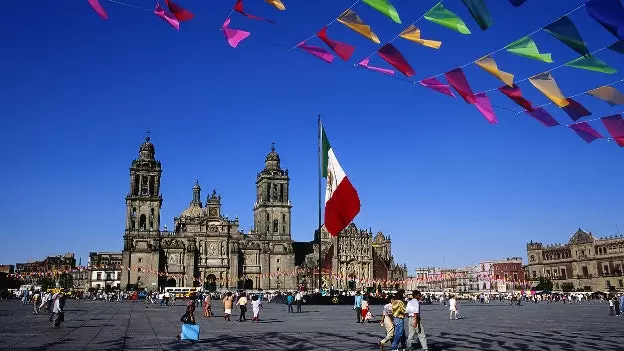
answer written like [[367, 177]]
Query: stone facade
[[588, 263], [206, 246]]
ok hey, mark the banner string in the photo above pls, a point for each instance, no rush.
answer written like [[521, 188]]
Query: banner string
[[129, 5]]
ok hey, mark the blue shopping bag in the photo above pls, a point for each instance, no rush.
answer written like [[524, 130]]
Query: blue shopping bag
[[190, 332]]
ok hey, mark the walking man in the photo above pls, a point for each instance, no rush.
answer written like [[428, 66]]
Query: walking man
[[415, 322], [298, 300], [357, 306]]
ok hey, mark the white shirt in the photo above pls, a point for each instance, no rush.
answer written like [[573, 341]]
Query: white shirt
[[298, 296], [387, 310], [452, 304], [413, 306]]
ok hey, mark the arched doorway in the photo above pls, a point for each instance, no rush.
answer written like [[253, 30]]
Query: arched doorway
[[248, 284], [211, 283], [171, 283], [351, 282]]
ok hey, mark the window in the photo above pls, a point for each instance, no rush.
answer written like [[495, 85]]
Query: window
[[98, 276], [142, 223], [133, 224], [563, 273], [605, 269], [140, 260], [138, 279], [278, 260], [134, 212], [585, 272], [534, 274], [275, 225], [532, 258], [268, 218], [620, 283], [278, 270]]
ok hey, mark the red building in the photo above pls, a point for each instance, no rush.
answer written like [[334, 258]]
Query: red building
[[509, 270]]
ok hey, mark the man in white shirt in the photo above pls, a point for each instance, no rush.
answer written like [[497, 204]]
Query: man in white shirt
[[298, 298], [415, 322], [453, 307]]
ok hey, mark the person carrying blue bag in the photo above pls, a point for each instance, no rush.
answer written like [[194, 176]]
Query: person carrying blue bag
[[190, 330]]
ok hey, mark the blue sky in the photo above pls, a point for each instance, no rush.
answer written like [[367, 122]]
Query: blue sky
[[78, 94]]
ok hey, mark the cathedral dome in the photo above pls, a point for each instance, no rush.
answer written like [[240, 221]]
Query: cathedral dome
[[193, 211], [272, 159], [147, 150]]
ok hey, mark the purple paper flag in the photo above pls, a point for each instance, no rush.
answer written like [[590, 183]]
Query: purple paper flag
[[575, 110], [98, 8], [436, 85], [167, 17], [482, 103], [233, 36], [615, 127], [586, 132], [316, 51], [364, 63], [543, 116], [609, 13]]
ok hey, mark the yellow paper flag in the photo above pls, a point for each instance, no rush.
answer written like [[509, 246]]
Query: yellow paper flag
[[545, 83], [609, 94], [489, 65], [412, 33], [278, 4], [351, 19]]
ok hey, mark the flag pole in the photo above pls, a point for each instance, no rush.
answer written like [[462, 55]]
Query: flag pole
[[320, 179]]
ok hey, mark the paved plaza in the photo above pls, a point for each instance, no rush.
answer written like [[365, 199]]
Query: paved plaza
[[98, 325]]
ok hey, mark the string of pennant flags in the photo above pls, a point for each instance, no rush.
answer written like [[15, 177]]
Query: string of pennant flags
[[437, 278], [608, 13]]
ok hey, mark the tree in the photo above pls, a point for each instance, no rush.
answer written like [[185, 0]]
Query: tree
[[567, 287], [66, 281], [47, 283], [544, 284]]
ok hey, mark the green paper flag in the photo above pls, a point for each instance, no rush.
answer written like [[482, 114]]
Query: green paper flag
[[526, 47], [385, 7], [479, 11], [440, 15], [591, 63], [564, 30]]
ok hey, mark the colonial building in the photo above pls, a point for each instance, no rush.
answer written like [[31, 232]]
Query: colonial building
[[104, 270], [206, 246], [50, 266], [586, 262]]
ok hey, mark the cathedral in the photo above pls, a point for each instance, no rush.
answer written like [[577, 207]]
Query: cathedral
[[210, 248]]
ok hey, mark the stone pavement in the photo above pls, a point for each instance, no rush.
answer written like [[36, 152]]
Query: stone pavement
[[98, 325]]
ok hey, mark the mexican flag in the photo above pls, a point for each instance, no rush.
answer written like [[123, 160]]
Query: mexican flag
[[342, 203]]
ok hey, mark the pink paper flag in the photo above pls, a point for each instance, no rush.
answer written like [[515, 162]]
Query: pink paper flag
[[436, 85], [233, 36], [615, 127], [394, 57], [316, 51], [364, 63], [167, 17], [98, 8], [457, 80], [586, 132], [482, 103], [343, 50]]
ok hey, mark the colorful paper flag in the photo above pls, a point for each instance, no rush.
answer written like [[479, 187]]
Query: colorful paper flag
[[545, 83], [543, 116], [591, 63], [351, 19], [97, 7], [482, 103], [575, 110], [435, 84], [442, 16], [586, 132], [608, 94], [617, 46], [615, 127], [526, 47], [233, 36], [457, 80], [238, 7], [364, 63], [489, 65], [479, 11], [167, 17], [278, 4], [565, 30], [180, 13], [316, 51], [517, 3], [385, 7], [609, 13], [344, 51], [412, 33], [515, 94], [396, 59]]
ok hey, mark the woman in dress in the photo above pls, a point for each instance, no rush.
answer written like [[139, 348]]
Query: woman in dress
[[364, 308], [207, 306], [255, 306]]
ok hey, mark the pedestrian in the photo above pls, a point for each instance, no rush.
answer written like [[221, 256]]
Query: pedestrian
[[415, 321], [364, 307], [59, 310], [228, 301], [289, 301], [398, 316], [611, 307], [298, 301], [189, 330], [452, 307], [386, 321], [616, 305], [36, 303], [242, 303], [207, 305], [357, 306], [255, 307]]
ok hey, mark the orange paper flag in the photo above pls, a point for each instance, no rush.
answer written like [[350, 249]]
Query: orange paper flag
[[489, 65], [412, 33], [351, 19], [545, 83]]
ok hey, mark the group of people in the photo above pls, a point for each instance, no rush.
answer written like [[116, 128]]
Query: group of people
[[47, 302], [395, 314]]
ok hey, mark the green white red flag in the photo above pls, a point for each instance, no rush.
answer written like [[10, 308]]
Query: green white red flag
[[342, 203]]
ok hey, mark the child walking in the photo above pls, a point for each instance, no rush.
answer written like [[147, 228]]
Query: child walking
[[255, 306]]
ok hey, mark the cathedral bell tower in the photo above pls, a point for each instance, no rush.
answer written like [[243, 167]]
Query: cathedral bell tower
[[272, 208], [142, 234]]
